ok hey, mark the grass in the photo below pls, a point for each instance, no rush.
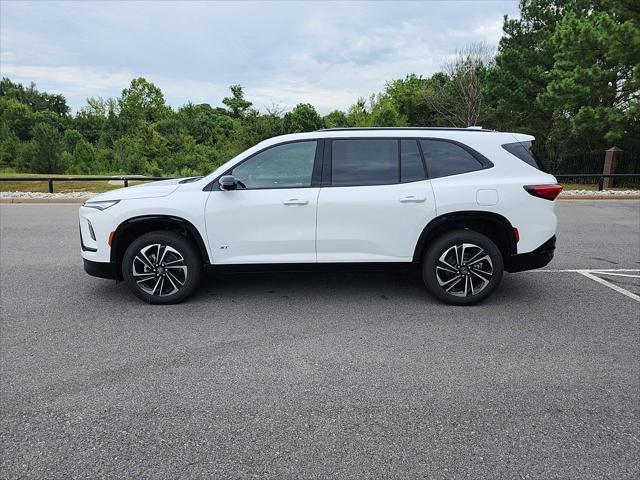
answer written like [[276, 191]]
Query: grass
[[96, 186], [591, 187], [579, 186]]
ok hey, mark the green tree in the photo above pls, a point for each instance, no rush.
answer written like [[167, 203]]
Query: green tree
[[303, 118], [16, 117], [90, 119], [237, 104], [384, 113], [84, 158], [335, 119], [128, 156], [9, 148], [32, 98], [142, 101], [206, 124], [409, 95], [526, 56], [595, 78], [357, 115], [47, 151], [71, 139]]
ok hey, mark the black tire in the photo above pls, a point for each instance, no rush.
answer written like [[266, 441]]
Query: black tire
[[168, 281], [465, 282]]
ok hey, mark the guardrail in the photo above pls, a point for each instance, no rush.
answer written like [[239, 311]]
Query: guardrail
[[127, 179], [50, 180]]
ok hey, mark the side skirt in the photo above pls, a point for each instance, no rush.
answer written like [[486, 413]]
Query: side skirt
[[313, 267]]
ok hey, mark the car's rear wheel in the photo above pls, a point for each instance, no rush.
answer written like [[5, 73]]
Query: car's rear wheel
[[462, 267], [162, 267]]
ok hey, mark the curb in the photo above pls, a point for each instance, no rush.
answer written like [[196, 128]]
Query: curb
[[598, 197]]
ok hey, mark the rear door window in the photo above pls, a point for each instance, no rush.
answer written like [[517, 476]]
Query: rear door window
[[411, 166], [364, 162], [445, 158]]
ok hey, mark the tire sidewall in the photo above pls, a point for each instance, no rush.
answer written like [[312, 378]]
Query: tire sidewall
[[448, 240], [182, 245]]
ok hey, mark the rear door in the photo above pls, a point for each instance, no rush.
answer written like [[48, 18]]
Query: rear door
[[375, 200]]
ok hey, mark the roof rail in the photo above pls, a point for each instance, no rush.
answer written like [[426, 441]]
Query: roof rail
[[456, 129]]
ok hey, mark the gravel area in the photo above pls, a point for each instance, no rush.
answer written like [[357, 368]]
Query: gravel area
[[39, 196], [603, 193]]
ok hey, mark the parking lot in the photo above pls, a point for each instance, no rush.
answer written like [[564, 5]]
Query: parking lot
[[320, 375]]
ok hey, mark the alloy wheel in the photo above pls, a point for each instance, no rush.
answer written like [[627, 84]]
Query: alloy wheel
[[159, 270], [464, 270]]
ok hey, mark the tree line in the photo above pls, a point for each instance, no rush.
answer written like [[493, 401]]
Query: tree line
[[566, 71]]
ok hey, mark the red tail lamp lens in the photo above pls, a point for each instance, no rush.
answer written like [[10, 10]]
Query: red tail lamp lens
[[548, 192]]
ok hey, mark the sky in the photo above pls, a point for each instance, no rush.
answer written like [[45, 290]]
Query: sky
[[324, 53]]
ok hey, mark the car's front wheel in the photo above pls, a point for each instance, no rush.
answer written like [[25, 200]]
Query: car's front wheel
[[462, 267], [161, 267]]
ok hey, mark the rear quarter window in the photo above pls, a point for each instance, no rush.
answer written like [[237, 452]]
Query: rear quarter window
[[523, 151], [444, 158]]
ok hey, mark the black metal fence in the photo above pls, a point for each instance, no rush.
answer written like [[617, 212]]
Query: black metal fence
[[50, 180], [628, 179], [588, 168]]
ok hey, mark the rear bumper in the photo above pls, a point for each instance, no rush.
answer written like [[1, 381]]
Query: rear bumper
[[100, 269], [540, 257]]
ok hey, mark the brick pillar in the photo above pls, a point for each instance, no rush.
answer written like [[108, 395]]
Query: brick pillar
[[611, 157]]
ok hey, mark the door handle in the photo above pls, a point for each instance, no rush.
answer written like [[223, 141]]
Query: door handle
[[412, 199], [295, 201]]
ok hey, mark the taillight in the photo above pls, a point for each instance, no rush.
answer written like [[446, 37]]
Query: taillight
[[548, 192]]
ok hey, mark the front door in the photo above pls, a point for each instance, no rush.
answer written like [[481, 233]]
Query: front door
[[271, 216]]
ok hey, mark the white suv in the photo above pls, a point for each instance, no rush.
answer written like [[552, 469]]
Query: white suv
[[464, 204]]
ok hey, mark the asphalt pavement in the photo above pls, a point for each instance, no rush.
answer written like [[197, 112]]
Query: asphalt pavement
[[320, 375]]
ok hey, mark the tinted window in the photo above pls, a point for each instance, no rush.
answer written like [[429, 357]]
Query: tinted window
[[411, 167], [283, 166], [523, 151], [364, 162], [445, 158]]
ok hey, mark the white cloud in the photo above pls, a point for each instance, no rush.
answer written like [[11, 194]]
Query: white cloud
[[75, 80], [324, 53]]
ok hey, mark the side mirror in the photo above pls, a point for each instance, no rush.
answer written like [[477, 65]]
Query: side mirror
[[227, 182]]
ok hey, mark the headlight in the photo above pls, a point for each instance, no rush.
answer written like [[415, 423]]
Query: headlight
[[100, 205]]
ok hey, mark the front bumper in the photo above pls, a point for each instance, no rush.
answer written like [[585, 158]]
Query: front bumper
[[97, 269], [101, 269], [540, 257]]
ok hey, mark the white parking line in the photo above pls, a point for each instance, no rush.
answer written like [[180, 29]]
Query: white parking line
[[577, 270], [589, 273], [615, 274], [610, 285]]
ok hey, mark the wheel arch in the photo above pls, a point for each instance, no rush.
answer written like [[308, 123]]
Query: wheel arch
[[493, 225], [132, 228]]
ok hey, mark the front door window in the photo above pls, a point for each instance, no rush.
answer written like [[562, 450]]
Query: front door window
[[283, 166]]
